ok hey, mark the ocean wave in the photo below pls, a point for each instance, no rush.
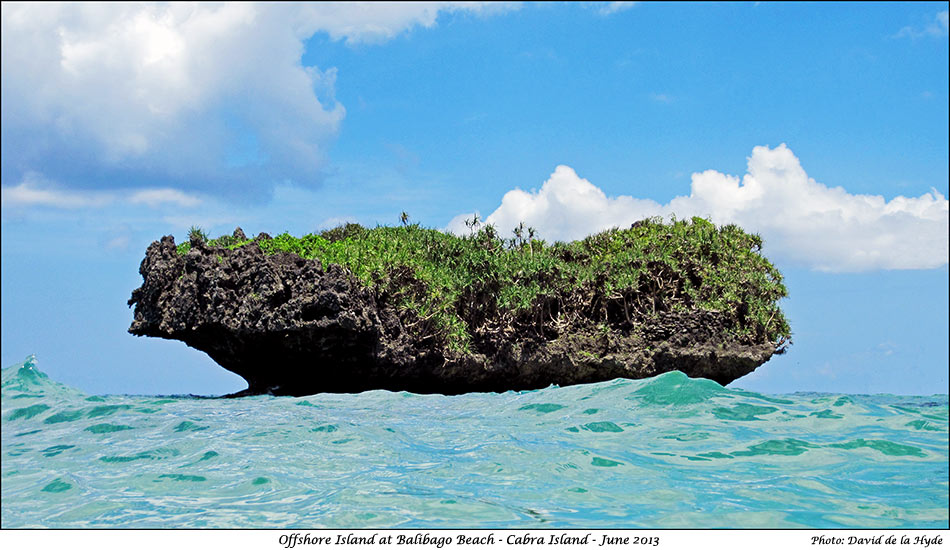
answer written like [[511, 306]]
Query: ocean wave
[[669, 451]]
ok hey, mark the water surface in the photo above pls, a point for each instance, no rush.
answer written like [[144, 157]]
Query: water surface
[[663, 452]]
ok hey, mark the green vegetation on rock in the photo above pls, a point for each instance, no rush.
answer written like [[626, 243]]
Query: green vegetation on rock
[[456, 288]]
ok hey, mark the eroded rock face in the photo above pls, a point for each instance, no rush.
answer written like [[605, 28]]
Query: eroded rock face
[[290, 327]]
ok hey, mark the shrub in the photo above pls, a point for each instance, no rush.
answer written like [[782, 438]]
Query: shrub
[[455, 288]]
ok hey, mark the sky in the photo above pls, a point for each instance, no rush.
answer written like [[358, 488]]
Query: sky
[[822, 127]]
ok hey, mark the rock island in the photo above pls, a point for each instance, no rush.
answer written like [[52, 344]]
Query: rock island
[[409, 308]]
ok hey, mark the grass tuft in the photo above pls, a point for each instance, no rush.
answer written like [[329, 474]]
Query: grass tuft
[[456, 288]]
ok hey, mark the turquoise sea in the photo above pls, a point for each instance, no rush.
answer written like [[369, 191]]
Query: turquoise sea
[[663, 452]]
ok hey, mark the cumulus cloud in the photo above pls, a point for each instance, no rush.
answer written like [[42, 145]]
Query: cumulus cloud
[[369, 22], [209, 96], [801, 220], [567, 207]]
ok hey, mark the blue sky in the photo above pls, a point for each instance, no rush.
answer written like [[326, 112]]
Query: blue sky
[[822, 127]]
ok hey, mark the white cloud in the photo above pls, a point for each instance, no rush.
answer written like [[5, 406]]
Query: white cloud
[[801, 220], [369, 22], [35, 190], [156, 197], [169, 92], [936, 28], [610, 8], [566, 207]]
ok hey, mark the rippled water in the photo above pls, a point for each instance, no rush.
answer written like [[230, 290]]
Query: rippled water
[[664, 452]]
